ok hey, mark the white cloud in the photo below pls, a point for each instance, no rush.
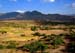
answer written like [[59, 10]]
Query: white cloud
[[21, 11], [73, 5], [49, 0]]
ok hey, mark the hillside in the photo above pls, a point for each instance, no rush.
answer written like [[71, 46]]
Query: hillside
[[35, 15]]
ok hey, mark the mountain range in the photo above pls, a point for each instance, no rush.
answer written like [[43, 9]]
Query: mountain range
[[35, 15]]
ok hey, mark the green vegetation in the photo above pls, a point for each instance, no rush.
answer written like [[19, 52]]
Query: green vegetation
[[1, 46], [3, 32], [34, 47], [33, 28], [57, 41], [40, 42], [11, 45], [36, 34]]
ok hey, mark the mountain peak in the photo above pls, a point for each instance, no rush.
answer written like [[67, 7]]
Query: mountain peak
[[35, 15]]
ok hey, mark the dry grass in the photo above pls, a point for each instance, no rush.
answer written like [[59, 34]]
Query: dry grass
[[14, 34]]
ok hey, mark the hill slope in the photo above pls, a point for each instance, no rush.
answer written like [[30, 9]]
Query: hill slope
[[35, 15]]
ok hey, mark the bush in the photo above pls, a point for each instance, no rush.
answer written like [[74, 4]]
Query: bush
[[22, 35], [58, 41], [11, 46], [36, 34], [1, 46], [33, 28], [3, 32], [42, 47], [34, 47], [43, 34]]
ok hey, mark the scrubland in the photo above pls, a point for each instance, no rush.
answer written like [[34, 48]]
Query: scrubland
[[27, 36]]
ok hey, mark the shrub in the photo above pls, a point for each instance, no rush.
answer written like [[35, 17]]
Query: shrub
[[33, 28], [11, 46], [34, 47], [1, 46], [36, 34], [3, 32], [58, 41], [42, 47], [22, 35], [43, 34]]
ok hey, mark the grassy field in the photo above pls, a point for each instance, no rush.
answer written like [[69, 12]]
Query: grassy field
[[26, 32]]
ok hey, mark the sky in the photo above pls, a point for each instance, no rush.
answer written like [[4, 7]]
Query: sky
[[44, 6]]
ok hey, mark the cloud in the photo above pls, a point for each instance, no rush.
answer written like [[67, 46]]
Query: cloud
[[49, 0], [20, 11], [73, 5]]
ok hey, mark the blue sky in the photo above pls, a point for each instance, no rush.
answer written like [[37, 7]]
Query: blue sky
[[44, 6]]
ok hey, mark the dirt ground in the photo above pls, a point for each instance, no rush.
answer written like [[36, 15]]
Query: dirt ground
[[14, 34]]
